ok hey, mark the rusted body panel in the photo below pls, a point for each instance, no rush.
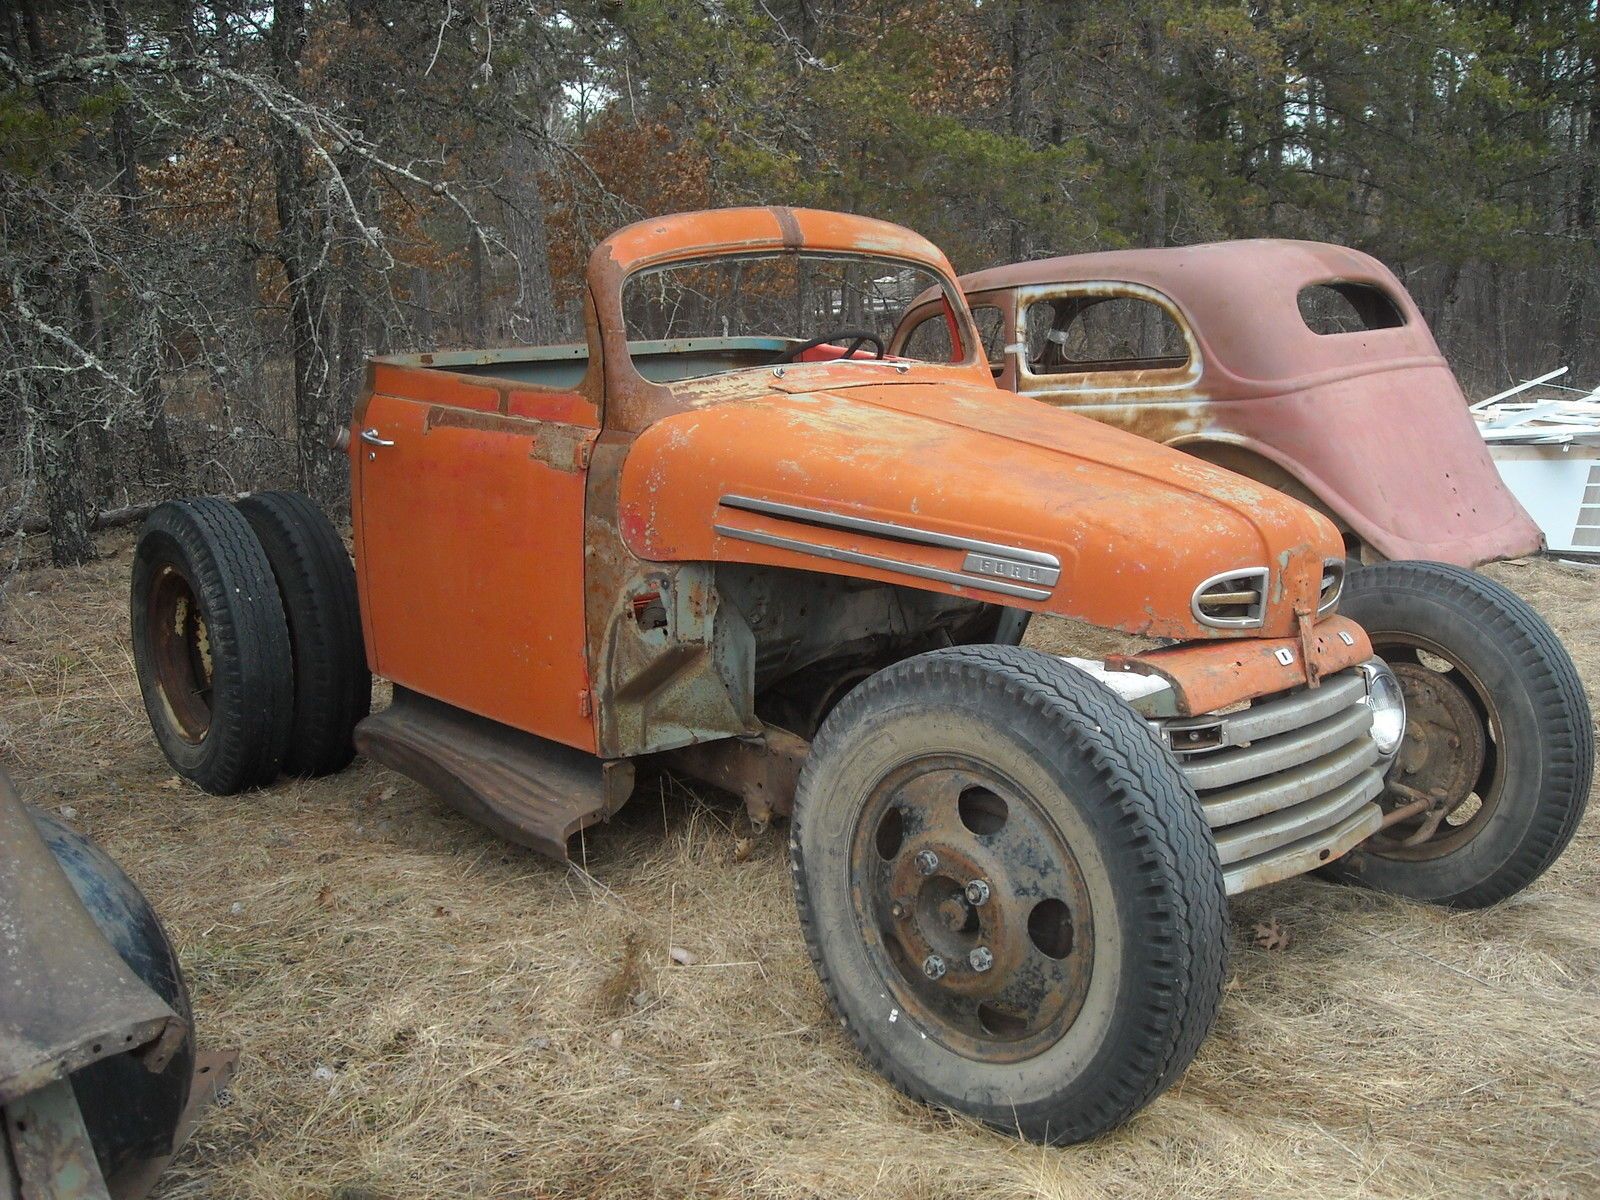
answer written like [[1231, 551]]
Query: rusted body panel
[[1208, 677], [67, 999], [1370, 424], [529, 790], [69, 1002]]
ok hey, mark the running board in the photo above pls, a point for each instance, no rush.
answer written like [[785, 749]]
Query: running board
[[529, 790]]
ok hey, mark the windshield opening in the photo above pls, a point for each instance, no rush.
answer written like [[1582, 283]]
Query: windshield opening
[[737, 312]]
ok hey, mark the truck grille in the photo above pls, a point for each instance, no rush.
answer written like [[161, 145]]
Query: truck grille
[[1286, 784]]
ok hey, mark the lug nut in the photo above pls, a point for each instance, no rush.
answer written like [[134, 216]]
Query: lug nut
[[933, 966], [978, 892], [927, 861], [981, 959]]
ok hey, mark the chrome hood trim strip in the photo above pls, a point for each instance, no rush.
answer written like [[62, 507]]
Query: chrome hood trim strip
[[1005, 570]]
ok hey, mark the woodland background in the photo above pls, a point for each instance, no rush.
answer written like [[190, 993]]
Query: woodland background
[[211, 212]]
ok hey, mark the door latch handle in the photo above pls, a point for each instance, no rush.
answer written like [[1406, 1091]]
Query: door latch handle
[[373, 438]]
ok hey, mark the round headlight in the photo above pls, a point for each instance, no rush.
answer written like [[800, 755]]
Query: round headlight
[[1388, 705]]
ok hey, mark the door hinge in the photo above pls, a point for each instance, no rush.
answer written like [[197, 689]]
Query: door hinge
[[585, 704]]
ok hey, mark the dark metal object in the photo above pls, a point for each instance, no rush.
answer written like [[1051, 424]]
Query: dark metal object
[[996, 982], [181, 649], [131, 1102], [67, 998], [99, 1080], [528, 789], [762, 771]]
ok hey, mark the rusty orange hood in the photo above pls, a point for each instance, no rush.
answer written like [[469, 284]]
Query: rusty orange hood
[[964, 488]]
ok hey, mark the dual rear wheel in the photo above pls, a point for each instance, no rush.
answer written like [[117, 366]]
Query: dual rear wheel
[[247, 639]]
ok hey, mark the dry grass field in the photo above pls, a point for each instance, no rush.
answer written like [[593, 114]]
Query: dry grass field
[[425, 1011]]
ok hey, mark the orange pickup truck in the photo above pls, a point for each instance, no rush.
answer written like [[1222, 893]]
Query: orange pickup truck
[[733, 538]]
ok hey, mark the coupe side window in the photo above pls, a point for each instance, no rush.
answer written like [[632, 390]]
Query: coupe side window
[[1080, 334], [1328, 308]]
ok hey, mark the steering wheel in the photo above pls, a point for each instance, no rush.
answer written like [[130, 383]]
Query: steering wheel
[[856, 336]]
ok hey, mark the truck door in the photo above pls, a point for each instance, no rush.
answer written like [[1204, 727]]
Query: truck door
[[469, 542]]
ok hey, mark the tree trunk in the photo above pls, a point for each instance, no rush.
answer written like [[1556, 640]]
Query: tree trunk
[[59, 430], [1018, 34], [320, 467], [66, 499], [1584, 226], [477, 301], [534, 318], [160, 458]]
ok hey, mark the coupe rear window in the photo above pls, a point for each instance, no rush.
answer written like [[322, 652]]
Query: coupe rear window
[[1329, 308]]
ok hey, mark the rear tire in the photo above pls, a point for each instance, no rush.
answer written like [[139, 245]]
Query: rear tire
[[317, 584], [210, 645], [1480, 667], [1085, 977]]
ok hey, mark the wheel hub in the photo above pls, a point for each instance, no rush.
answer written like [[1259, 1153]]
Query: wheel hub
[[1444, 748], [971, 898], [1450, 756], [181, 650]]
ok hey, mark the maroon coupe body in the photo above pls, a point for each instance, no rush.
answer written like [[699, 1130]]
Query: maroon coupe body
[[1303, 365]]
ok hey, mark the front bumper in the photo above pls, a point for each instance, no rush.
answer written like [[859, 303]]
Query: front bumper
[[1289, 783]]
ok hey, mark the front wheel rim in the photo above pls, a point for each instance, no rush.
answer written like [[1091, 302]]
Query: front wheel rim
[[973, 907]]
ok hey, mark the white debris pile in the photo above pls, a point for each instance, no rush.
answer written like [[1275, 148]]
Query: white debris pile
[[1514, 417], [1546, 446]]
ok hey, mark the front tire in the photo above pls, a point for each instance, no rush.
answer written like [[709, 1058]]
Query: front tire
[[1009, 891], [1497, 729]]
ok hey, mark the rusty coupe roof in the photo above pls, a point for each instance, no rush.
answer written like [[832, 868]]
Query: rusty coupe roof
[[1241, 299]]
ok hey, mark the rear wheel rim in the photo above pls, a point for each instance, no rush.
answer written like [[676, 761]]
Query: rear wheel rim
[[973, 908], [1453, 750], [180, 649]]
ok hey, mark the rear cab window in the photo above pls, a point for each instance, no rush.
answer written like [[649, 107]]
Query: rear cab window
[[710, 316]]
